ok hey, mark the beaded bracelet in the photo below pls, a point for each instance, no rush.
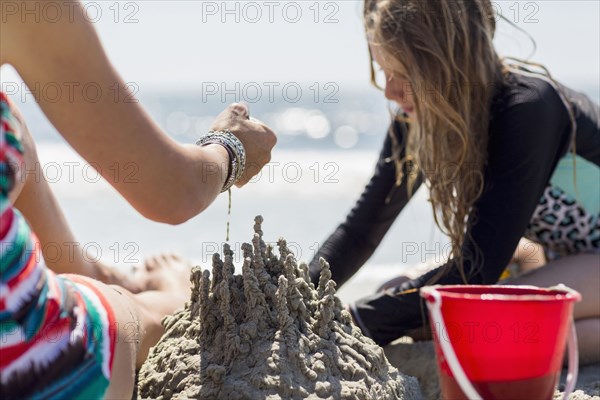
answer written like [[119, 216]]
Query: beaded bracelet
[[235, 150]]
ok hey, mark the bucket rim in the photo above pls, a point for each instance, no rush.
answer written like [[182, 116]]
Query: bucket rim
[[530, 292]]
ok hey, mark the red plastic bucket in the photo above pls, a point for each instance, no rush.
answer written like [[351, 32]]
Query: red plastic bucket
[[502, 342]]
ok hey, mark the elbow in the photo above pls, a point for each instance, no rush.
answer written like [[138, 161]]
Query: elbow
[[175, 217], [177, 199], [176, 212]]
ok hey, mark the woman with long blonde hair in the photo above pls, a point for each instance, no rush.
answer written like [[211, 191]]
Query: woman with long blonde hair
[[485, 136]]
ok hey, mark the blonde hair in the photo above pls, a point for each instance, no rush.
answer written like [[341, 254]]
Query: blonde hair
[[445, 50]]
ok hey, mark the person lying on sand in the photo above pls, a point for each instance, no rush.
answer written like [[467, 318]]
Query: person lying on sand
[[485, 134], [68, 335]]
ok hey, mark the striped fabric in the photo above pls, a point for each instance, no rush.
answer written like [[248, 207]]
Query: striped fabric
[[57, 333]]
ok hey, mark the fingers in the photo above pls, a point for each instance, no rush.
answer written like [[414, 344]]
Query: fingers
[[239, 110], [256, 137], [233, 115], [257, 157]]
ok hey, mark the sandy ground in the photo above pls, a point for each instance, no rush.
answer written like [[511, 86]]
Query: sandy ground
[[418, 360]]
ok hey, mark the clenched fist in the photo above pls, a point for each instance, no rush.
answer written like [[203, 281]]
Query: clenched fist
[[258, 139]]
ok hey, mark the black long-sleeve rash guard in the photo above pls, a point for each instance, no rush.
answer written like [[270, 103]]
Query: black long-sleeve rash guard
[[530, 130]]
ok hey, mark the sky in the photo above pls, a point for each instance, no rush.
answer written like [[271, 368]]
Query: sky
[[179, 45]]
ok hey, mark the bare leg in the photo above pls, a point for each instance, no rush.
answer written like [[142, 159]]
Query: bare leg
[[588, 340], [38, 204], [582, 273], [145, 311], [138, 315]]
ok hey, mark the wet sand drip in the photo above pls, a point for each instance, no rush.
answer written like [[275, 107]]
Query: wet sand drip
[[267, 334]]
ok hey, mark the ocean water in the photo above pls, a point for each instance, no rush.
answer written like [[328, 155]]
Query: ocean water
[[295, 203], [325, 155]]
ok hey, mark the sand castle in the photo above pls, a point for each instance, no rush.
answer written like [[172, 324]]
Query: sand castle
[[267, 334]]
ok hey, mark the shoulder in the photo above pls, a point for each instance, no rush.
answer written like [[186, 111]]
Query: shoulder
[[530, 95], [529, 121], [529, 107]]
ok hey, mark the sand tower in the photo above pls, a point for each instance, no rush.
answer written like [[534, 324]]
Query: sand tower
[[267, 334]]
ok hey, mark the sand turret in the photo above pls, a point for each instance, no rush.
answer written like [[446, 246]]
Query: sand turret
[[267, 334]]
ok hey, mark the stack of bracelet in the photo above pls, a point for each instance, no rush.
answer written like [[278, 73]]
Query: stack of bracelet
[[235, 150]]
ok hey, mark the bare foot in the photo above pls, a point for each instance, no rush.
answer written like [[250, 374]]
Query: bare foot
[[112, 276], [164, 273]]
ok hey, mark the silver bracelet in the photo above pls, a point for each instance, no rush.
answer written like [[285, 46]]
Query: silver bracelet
[[237, 147], [235, 150]]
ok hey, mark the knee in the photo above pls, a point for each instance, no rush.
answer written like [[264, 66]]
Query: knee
[[123, 371], [29, 170]]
